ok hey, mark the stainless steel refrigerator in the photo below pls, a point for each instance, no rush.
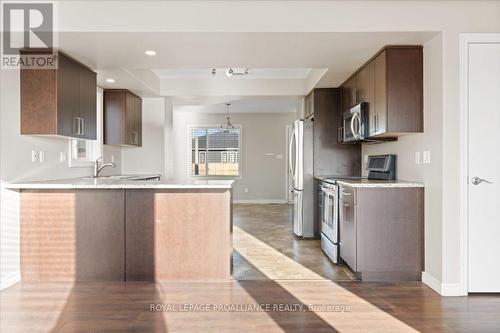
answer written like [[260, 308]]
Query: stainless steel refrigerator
[[301, 173]]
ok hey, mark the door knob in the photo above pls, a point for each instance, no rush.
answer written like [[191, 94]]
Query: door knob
[[477, 181]]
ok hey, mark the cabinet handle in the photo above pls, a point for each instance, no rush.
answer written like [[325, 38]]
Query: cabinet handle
[[376, 122], [76, 126], [82, 126]]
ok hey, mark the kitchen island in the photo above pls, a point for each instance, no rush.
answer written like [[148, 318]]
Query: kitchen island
[[119, 229]]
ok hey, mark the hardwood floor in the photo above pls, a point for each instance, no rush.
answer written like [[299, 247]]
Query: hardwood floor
[[316, 304], [125, 307], [264, 247]]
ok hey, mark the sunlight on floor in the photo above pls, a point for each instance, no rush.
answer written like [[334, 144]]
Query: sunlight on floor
[[272, 263], [362, 316]]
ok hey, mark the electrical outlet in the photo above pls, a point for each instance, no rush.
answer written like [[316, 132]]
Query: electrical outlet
[[426, 156], [417, 157], [41, 156], [34, 156], [246, 189]]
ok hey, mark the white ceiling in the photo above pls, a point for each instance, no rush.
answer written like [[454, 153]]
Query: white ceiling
[[282, 63], [253, 73], [245, 105]]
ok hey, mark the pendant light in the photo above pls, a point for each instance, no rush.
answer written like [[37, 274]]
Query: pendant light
[[227, 126]]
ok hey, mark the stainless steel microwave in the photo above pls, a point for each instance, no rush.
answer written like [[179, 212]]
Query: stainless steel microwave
[[356, 123]]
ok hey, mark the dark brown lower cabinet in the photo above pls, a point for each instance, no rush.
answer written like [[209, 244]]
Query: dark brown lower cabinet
[[178, 235], [117, 235], [72, 235], [382, 232]]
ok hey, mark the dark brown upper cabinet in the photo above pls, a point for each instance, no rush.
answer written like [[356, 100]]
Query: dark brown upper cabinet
[[122, 118], [392, 85], [61, 101], [309, 106]]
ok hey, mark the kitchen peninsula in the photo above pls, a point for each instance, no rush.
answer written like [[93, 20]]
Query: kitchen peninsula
[[119, 229]]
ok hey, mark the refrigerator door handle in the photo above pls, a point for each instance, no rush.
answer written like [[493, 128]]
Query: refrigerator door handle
[[290, 158]]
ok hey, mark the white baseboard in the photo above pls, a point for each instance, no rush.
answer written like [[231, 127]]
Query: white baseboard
[[259, 201], [450, 289], [443, 289], [10, 279]]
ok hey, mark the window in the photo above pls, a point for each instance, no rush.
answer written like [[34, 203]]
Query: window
[[214, 151], [83, 153]]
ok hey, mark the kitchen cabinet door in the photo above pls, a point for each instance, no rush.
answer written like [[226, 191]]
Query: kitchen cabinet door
[[366, 89], [347, 226], [378, 114], [138, 121], [349, 94], [59, 101], [122, 118], [130, 116], [68, 96], [88, 104], [309, 105]]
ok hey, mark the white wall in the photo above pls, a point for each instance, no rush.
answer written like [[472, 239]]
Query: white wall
[[147, 159], [429, 174], [16, 165], [264, 176]]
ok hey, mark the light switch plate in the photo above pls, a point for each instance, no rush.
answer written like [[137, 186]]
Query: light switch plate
[[426, 156], [41, 156], [34, 156], [417, 157]]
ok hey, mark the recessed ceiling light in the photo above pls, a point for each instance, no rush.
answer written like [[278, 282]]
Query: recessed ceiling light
[[110, 80], [150, 52]]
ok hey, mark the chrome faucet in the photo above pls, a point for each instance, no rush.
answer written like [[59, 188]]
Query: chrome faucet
[[97, 168]]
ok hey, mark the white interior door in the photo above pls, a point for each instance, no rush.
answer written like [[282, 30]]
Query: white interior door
[[484, 168]]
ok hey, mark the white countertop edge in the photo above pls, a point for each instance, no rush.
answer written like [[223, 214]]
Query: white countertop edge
[[116, 186]]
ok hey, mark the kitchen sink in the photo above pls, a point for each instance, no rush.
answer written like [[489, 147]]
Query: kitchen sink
[[126, 177]]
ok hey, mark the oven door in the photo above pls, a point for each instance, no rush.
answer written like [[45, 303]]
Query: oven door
[[329, 218]]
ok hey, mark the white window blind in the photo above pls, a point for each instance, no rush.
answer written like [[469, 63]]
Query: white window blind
[[213, 151]]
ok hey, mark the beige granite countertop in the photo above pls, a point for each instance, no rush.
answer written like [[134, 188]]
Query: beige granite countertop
[[123, 182], [364, 182]]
